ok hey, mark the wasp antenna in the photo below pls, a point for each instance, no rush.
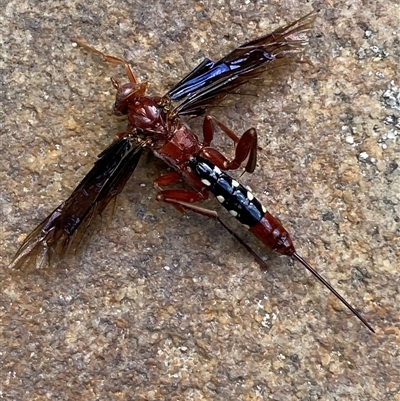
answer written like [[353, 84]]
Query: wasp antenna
[[114, 82]]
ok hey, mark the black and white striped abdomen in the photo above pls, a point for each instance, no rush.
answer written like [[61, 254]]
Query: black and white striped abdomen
[[233, 196]]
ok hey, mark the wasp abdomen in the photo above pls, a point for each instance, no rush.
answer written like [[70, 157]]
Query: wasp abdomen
[[243, 205], [233, 196]]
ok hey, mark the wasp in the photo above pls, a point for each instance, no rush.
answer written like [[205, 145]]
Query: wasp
[[155, 124]]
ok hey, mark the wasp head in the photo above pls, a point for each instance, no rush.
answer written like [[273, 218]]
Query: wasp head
[[125, 95]]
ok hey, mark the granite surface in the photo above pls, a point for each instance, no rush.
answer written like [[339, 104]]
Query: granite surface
[[168, 307]]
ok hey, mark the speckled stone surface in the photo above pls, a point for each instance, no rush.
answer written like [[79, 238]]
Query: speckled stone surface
[[168, 307]]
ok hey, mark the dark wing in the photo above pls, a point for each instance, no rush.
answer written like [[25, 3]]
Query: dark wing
[[211, 81], [66, 225]]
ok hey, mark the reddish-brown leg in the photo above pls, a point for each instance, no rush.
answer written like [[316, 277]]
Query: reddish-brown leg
[[208, 130], [246, 146], [111, 59], [184, 195], [167, 179], [176, 199], [175, 196]]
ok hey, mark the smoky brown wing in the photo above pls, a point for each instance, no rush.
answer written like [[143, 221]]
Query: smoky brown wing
[[66, 225], [211, 81]]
